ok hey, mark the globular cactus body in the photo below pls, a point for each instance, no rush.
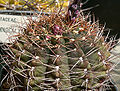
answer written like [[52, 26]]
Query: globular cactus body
[[54, 54]]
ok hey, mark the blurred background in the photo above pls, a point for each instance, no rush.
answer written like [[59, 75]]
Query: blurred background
[[108, 12]]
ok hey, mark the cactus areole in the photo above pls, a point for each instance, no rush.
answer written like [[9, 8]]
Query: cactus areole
[[56, 54]]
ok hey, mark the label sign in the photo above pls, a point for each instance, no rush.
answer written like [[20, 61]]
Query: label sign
[[9, 26]]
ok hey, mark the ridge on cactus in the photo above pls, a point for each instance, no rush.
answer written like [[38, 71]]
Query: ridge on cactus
[[54, 53]]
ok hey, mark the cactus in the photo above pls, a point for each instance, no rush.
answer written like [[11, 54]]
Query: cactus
[[53, 53]]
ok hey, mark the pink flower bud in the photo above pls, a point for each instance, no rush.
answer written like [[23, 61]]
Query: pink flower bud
[[74, 6], [57, 27], [48, 37], [73, 19], [57, 30]]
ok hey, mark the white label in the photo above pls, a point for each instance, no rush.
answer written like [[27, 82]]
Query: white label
[[10, 25]]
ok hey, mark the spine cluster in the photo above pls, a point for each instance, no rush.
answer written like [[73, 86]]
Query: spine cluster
[[58, 53]]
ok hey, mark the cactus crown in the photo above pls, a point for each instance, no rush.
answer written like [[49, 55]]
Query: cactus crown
[[53, 53]]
